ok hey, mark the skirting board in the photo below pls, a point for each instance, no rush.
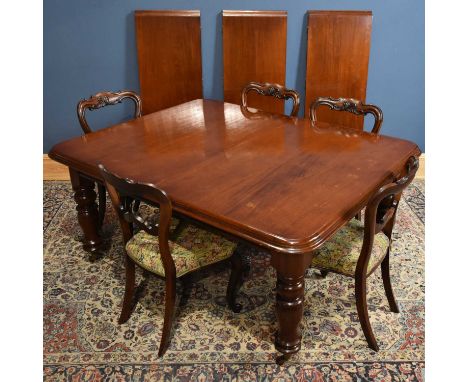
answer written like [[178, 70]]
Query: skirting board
[[56, 171]]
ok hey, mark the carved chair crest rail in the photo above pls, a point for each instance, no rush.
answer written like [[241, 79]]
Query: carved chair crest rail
[[272, 90], [357, 250], [97, 101], [103, 99], [350, 105], [159, 248]]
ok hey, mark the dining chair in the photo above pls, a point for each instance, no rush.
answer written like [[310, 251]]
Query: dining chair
[[168, 252], [350, 105], [357, 249], [98, 101], [272, 90]]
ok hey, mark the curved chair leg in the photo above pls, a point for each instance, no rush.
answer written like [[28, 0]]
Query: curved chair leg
[[243, 250], [385, 267], [102, 203], [246, 264], [361, 303], [127, 304], [235, 281], [170, 299]]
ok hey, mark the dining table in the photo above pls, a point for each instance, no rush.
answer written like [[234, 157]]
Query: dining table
[[281, 183]]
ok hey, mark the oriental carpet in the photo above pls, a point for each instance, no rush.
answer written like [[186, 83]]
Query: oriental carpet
[[83, 342]]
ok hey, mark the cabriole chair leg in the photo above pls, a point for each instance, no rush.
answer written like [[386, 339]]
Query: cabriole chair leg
[[235, 281], [361, 303], [385, 268], [169, 306], [127, 304]]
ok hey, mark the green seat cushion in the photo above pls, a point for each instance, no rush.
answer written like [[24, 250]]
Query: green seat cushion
[[192, 249], [341, 253]]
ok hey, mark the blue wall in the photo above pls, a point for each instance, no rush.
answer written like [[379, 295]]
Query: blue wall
[[89, 46]]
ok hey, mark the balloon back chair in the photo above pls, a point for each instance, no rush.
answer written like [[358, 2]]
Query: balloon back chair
[[357, 249], [98, 101], [272, 90], [157, 248], [351, 106]]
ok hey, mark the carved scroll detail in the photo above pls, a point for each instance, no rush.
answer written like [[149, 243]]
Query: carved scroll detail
[[388, 201], [103, 99], [351, 106], [272, 90]]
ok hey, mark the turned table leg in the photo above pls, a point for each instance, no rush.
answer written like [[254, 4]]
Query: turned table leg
[[88, 217], [289, 303]]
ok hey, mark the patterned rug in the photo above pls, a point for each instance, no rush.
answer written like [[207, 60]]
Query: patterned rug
[[83, 342]]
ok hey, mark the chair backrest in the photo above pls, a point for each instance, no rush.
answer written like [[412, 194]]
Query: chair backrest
[[381, 211], [272, 90], [124, 193], [350, 105], [102, 99]]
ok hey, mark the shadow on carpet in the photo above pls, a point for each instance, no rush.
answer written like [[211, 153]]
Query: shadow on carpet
[[83, 342]]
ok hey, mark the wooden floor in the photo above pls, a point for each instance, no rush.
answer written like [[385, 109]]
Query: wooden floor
[[56, 171], [53, 170]]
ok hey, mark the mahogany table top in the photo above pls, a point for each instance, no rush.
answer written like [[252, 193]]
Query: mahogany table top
[[274, 180]]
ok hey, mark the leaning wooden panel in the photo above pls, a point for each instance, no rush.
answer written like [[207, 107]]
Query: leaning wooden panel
[[338, 47], [169, 58], [254, 49]]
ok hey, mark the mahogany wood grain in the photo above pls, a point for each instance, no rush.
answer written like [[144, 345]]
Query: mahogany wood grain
[[271, 90], [380, 216], [254, 50], [289, 302], [285, 184], [169, 57], [103, 99], [349, 105], [87, 210], [124, 193], [277, 181], [338, 47], [98, 101]]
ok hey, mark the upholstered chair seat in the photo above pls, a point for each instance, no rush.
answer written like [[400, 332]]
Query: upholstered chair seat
[[166, 246], [341, 253], [193, 248], [357, 249]]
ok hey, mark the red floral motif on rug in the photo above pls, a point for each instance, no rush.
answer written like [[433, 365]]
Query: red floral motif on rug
[[82, 300]]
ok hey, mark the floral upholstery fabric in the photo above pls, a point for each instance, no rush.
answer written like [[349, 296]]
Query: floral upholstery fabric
[[192, 249], [341, 253]]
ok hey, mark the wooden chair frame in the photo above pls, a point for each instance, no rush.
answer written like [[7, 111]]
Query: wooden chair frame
[[350, 105], [272, 90], [124, 193], [98, 101], [103, 99], [379, 217]]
